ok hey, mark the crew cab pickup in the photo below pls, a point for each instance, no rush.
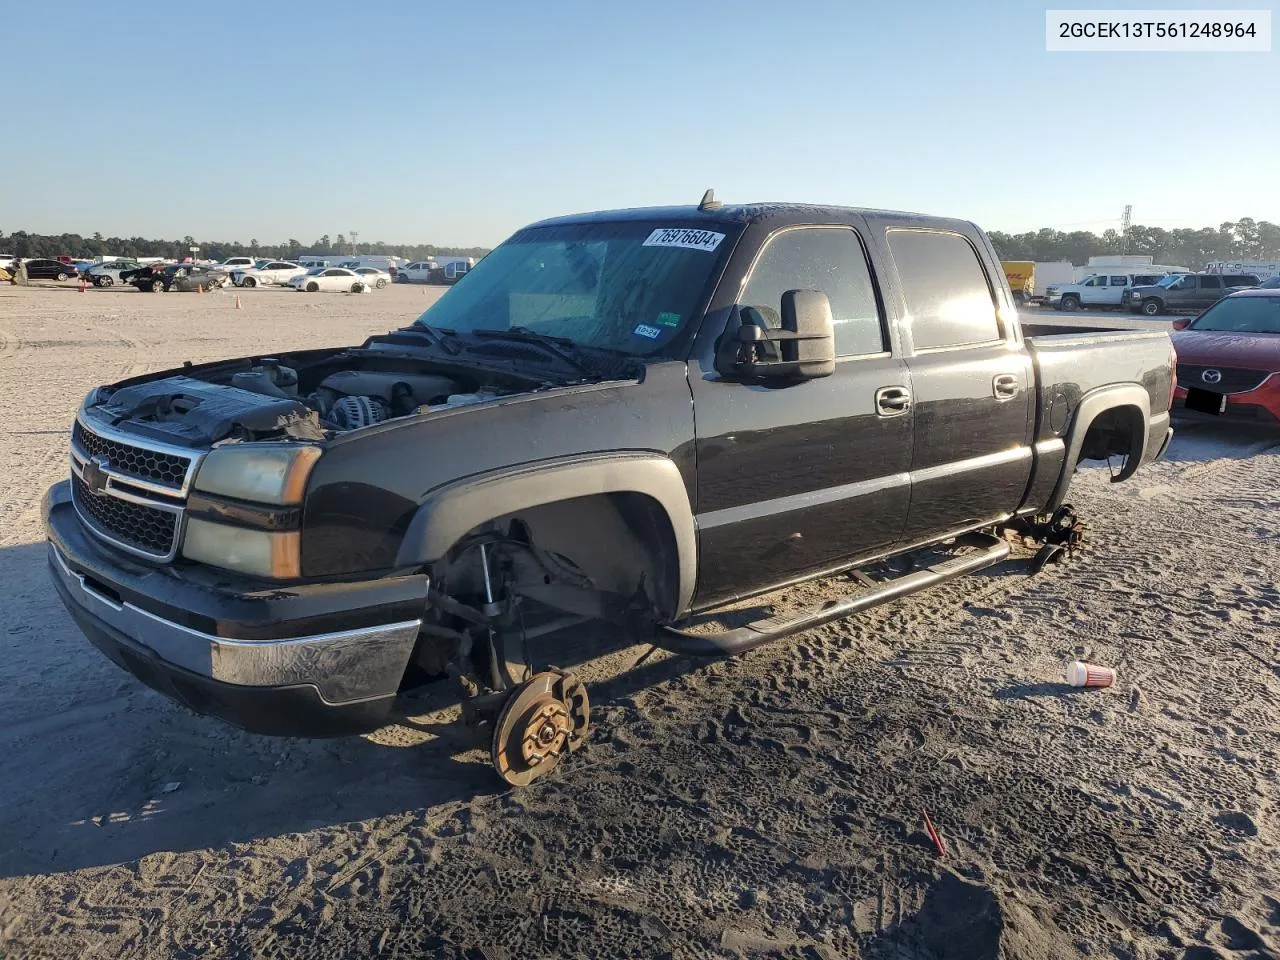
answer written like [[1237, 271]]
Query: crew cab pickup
[[1185, 291], [632, 417]]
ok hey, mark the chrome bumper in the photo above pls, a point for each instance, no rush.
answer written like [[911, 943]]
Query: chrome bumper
[[347, 666]]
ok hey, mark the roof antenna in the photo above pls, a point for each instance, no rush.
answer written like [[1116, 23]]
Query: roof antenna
[[709, 201]]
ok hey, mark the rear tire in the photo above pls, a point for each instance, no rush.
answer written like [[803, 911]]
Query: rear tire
[[104, 282], [248, 282], [1151, 307]]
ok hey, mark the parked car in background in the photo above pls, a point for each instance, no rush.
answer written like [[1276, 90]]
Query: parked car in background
[[1187, 291], [374, 276], [1100, 290], [110, 273], [269, 273], [417, 272], [176, 278], [1229, 358], [6, 260], [41, 268], [185, 278], [231, 264], [448, 273], [149, 278], [330, 280]]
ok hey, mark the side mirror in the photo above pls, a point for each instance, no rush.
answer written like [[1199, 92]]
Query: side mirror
[[805, 343], [1182, 323]]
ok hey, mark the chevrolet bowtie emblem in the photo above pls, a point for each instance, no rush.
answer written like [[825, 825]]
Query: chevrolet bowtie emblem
[[94, 474]]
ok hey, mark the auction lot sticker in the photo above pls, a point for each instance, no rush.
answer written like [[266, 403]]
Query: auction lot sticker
[[684, 237], [1158, 31]]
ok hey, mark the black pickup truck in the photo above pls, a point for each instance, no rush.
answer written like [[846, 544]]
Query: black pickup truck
[[632, 417]]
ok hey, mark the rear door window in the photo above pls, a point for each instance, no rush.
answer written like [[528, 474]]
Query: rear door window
[[1119, 281], [948, 294], [1211, 283]]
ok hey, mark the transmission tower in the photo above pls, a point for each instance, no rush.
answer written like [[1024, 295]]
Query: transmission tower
[[354, 248], [1124, 227]]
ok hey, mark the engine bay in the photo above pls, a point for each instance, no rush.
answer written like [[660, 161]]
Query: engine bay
[[312, 396]]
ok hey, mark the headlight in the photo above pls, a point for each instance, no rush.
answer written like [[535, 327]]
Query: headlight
[[260, 553], [275, 473], [250, 541]]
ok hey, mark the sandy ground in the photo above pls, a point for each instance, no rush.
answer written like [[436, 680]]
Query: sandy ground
[[767, 806]]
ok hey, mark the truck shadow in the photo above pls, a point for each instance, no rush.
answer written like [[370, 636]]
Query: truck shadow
[[100, 770]]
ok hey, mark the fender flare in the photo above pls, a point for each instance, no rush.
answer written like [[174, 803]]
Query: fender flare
[[1091, 406], [449, 512]]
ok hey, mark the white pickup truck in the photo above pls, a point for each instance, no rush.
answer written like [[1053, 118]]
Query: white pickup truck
[[1100, 290]]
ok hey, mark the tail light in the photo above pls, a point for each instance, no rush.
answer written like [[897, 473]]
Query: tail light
[[1173, 374]]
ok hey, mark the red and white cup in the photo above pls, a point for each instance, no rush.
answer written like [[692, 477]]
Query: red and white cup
[[1081, 674]]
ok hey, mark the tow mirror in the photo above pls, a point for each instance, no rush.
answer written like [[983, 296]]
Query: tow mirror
[[1181, 323], [802, 349]]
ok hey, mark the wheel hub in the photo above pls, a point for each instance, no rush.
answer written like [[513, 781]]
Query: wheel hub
[[543, 718]]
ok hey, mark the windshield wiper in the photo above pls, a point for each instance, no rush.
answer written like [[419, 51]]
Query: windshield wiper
[[443, 337], [553, 345]]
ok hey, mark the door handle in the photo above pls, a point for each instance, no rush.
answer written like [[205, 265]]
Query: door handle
[[893, 401], [1005, 386]]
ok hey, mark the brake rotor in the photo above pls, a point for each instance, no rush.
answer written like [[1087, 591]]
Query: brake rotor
[[543, 718]]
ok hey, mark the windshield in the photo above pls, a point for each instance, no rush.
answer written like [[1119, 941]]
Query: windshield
[[624, 286], [1169, 281], [1241, 315]]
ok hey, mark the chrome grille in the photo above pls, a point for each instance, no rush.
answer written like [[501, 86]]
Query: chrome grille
[[130, 491], [159, 467], [149, 530], [1228, 380]]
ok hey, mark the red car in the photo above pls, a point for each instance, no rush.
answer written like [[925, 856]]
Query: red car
[[1229, 358]]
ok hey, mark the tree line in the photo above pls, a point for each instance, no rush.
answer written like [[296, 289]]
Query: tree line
[[20, 243], [1246, 239]]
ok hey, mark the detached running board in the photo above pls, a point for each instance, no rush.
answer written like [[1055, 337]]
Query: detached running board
[[732, 642]]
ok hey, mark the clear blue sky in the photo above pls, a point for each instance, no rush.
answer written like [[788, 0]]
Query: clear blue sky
[[455, 126]]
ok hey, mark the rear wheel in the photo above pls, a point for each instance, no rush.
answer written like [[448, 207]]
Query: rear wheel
[[1151, 307], [248, 282]]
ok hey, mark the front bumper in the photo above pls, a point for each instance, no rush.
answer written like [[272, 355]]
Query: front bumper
[[1260, 405], [307, 660]]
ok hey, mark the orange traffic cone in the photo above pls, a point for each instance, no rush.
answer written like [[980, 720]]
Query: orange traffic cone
[[82, 284], [237, 303], [199, 288]]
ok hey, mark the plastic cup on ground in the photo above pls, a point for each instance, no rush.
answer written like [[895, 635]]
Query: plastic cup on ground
[[1081, 674]]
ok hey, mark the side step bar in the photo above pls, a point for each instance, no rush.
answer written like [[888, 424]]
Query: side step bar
[[740, 640]]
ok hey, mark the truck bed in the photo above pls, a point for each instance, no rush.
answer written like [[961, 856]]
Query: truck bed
[[1071, 361]]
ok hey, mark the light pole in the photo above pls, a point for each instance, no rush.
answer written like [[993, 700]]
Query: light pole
[[194, 252]]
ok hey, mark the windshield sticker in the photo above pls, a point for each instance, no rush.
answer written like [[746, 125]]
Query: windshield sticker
[[683, 237], [644, 330], [669, 319]]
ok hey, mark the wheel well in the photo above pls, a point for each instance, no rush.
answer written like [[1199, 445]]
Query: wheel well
[[1118, 431], [622, 544]]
